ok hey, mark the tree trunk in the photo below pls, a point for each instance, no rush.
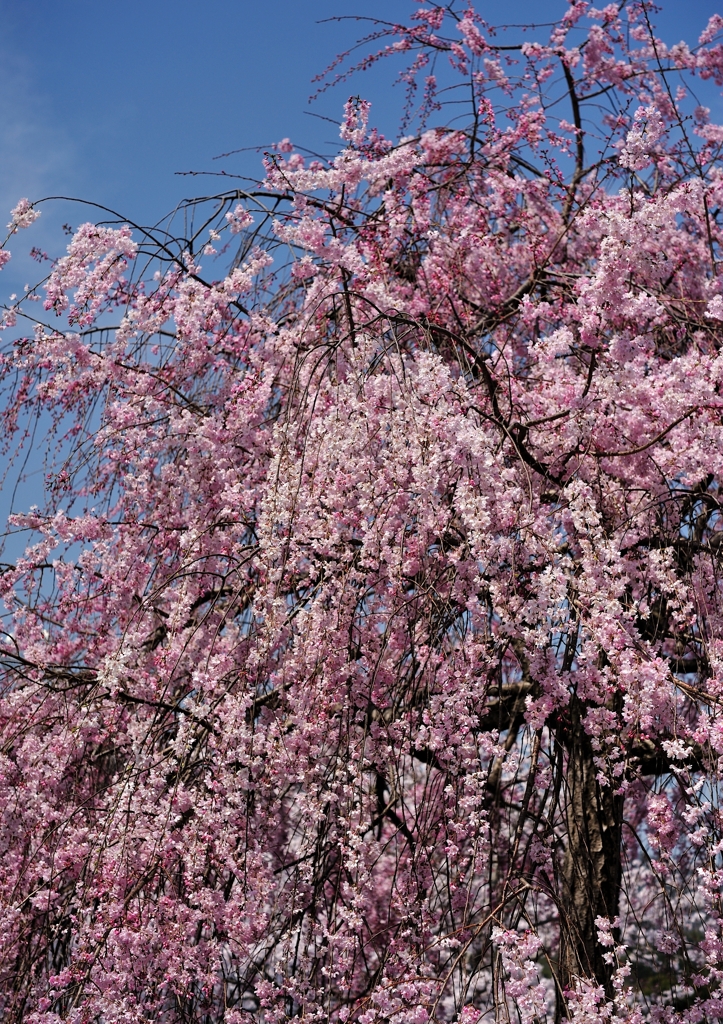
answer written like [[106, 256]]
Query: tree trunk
[[592, 867]]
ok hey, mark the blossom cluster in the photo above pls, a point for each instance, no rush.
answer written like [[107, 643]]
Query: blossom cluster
[[364, 659]]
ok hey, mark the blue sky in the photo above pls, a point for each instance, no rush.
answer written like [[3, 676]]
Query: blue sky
[[108, 100]]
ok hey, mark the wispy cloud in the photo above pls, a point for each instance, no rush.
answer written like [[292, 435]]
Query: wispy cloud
[[37, 154]]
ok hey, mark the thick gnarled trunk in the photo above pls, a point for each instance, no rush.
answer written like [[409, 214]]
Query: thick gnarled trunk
[[592, 866]]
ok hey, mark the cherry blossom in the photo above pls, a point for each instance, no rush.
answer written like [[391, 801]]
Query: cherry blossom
[[22, 215], [363, 658]]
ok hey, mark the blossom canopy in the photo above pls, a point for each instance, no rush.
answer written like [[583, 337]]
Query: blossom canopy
[[364, 660]]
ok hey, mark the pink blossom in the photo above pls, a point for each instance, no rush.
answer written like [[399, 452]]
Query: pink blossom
[[238, 219], [362, 658], [714, 26], [22, 215], [472, 36], [356, 116]]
